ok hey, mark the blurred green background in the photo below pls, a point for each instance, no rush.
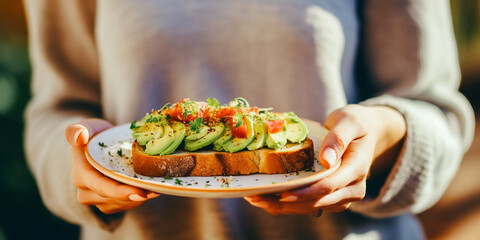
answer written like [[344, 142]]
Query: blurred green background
[[22, 214]]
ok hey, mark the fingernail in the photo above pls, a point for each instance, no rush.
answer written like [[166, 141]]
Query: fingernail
[[329, 155], [152, 195], [248, 198], [77, 134], [137, 198], [290, 198], [318, 204], [261, 204]]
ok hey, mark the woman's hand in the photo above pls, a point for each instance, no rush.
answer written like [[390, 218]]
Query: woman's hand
[[93, 188], [364, 138]]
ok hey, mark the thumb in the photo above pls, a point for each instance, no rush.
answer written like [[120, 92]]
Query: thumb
[[336, 142], [78, 134]]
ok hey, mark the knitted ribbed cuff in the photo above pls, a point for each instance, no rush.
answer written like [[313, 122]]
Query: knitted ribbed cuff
[[401, 189]]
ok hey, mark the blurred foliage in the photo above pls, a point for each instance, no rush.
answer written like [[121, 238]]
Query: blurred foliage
[[466, 21]]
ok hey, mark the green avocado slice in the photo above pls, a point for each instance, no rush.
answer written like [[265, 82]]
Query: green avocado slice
[[277, 140], [147, 133], [191, 135], [238, 144], [179, 134], [158, 145], [226, 137], [213, 134], [260, 134], [296, 131]]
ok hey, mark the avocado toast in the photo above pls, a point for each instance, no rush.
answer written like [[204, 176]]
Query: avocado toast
[[192, 138]]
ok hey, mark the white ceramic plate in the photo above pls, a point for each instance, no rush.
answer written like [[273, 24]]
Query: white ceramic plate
[[110, 153]]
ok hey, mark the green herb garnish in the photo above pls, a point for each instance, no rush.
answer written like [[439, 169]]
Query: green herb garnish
[[101, 144], [133, 124], [119, 152], [196, 124], [239, 102], [238, 119], [178, 181], [188, 107], [152, 119], [309, 169], [135, 176], [213, 102], [168, 178]]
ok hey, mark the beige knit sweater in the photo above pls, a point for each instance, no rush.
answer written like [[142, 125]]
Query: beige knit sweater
[[117, 59]]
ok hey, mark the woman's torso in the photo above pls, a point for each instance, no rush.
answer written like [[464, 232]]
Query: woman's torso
[[291, 55]]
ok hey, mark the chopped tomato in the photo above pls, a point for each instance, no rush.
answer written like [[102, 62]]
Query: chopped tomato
[[275, 126], [240, 132], [175, 112], [184, 100], [226, 113], [231, 111], [254, 109], [206, 112]]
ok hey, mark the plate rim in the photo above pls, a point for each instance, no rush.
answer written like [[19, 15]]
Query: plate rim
[[271, 188]]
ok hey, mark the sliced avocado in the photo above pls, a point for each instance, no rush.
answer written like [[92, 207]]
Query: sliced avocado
[[191, 135], [238, 144], [260, 134], [277, 140], [213, 134], [296, 131], [147, 132], [179, 134], [158, 145], [226, 137]]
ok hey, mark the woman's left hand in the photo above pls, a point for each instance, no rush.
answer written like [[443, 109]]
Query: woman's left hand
[[358, 135]]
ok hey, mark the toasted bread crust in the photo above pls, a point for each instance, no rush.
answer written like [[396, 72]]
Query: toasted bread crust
[[290, 159]]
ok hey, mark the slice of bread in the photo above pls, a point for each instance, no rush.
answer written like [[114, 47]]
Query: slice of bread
[[291, 158]]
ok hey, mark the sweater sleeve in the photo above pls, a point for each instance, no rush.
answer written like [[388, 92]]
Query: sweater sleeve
[[65, 86], [414, 65]]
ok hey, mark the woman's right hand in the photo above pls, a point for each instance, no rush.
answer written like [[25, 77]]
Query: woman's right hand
[[93, 188]]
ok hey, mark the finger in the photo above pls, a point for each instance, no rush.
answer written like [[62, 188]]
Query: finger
[[152, 195], [348, 194], [88, 197], [272, 205], [337, 140], [255, 201], [353, 169], [87, 177], [115, 208], [337, 208], [78, 134]]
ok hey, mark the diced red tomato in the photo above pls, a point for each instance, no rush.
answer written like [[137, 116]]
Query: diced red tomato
[[275, 126], [206, 112], [240, 132], [184, 100], [174, 112]]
